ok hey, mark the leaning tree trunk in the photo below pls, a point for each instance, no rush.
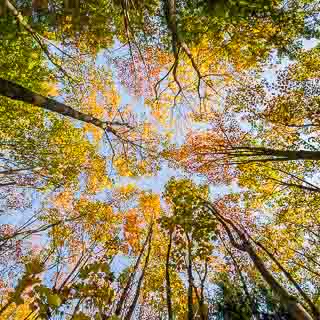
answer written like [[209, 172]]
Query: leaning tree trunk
[[17, 92], [312, 306], [293, 307]]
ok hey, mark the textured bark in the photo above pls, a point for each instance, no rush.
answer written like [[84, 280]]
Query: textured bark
[[312, 306], [293, 307], [17, 92]]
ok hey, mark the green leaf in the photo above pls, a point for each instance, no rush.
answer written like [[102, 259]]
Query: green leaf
[[54, 300]]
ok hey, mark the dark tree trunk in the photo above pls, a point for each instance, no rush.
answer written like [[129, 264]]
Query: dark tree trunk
[[137, 293], [19, 93], [292, 280], [190, 280], [168, 284], [132, 275], [260, 154], [293, 307]]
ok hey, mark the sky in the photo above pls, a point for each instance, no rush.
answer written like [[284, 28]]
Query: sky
[[152, 183]]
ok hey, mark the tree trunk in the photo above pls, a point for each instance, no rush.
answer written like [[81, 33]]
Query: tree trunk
[[131, 277], [19, 93], [168, 284], [136, 296], [203, 314], [293, 307], [244, 285], [190, 280], [266, 154], [312, 306], [294, 155]]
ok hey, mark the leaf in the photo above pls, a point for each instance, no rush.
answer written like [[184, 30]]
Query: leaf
[[54, 300]]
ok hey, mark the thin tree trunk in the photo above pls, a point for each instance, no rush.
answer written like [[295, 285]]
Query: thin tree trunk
[[201, 300], [136, 296], [19, 93], [190, 280], [168, 284], [132, 275], [244, 285], [293, 185]]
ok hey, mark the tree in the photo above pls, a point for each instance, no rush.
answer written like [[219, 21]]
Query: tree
[[186, 198], [191, 231], [99, 99]]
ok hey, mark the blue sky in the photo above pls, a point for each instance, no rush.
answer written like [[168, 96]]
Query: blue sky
[[153, 183]]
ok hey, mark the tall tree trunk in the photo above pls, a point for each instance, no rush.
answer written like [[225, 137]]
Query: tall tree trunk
[[312, 306], [19, 93], [293, 307], [136, 296], [170, 8], [203, 315], [200, 297], [261, 154], [132, 275], [244, 285], [190, 279], [168, 284]]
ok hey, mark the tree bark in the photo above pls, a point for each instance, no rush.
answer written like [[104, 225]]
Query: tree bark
[[261, 154], [203, 315], [168, 284], [294, 308], [17, 92], [244, 285], [293, 155], [190, 280], [136, 296], [312, 306], [132, 275]]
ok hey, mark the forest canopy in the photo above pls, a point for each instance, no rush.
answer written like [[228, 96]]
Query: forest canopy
[[159, 159]]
